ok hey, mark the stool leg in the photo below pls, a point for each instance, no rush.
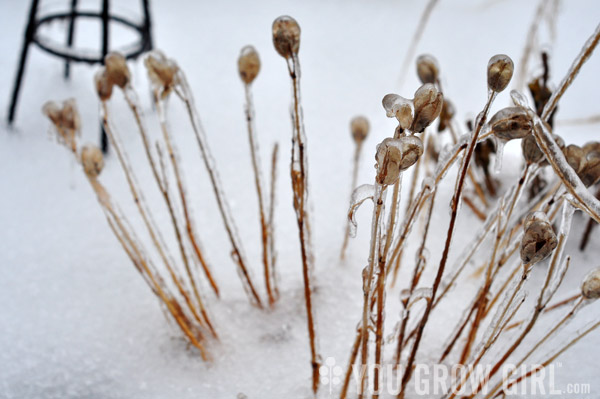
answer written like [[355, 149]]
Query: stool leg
[[105, 38], [29, 34], [148, 43], [70, 35]]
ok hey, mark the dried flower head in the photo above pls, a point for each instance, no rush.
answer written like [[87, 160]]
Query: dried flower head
[[396, 155], [70, 115], [92, 160], [103, 84], [499, 72], [590, 171], [511, 123], [428, 104], [66, 120], [117, 70], [539, 239], [359, 127], [590, 288], [52, 110], [575, 157], [427, 68], [162, 71], [286, 36], [399, 107], [248, 64]]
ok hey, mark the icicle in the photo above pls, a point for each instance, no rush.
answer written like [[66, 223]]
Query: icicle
[[500, 143], [360, 195]]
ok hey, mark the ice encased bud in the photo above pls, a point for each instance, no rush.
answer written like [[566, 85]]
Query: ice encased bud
[[399, 107], [590, 287], [590, 170], [499, 72], [530, 149], [396, 155], [427, 68], [53, 111], [116, 69], [286, 36], [104, 85], [511, 123], [575, 157], [248, 64], [428, 103], [539, 239], [162, 71], [92, 160], [359, 128]]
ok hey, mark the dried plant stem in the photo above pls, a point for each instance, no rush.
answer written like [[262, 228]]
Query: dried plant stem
[[272, 202], [588, 229], [148, 220], [454, 212], [299, 177], [530, 42], [191, 233], [185, 94], [355, 164], [262, 209]]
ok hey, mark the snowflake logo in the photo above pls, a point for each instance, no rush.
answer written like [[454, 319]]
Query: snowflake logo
[[330, 373]]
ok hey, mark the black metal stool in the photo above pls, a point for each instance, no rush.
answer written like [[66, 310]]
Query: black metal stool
[[68, 53]]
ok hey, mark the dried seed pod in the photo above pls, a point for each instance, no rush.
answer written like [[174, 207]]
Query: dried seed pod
[[117, 70], [359, 127], [53, 112], [396, 155], [92, 160], [70, 116], [575, 157], [499, 72], [400, 108], [590, 288], [446, 115], [427, 68], [590, 171], [162, 71], [428, 104], [511, 123], [248, 64], [104, 86], [531, 151], [286, 36], [539, 239], [591, 148]]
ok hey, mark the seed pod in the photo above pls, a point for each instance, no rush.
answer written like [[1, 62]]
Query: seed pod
[[590, 171], [396, 155], [53, 112], [446, 115], [104, 86], [117, 70], [511, 123], [162, 71], [428, 104], [399, 107], [575, 157], [248, 64], [92, 160], [427, 68], [286, 36], [359, 127], [499, 72], [539, 239], [592, 147], [70, 116], [590, 288]]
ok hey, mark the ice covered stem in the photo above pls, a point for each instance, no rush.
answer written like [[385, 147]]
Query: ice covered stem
[[286, 40], [359, 128], [184, 92], [499, 74], [248, 68]]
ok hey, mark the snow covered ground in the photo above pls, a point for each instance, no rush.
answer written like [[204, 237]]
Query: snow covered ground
[[77, 321]]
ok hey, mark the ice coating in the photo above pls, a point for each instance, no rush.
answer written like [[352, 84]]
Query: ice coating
[[428, 103], [428, 68], [511, 123], [399, 107], [590, 287], [500, 143], [286, 36], [499, 72], [359, 195], [248, 64]]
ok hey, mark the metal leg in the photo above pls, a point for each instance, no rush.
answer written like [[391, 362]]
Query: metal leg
[[105, 39], [70, 35], [147, 39], [29, 33]]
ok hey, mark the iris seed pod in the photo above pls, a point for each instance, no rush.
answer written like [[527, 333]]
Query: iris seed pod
[[248, 64], [539, 239], [511, 123], [427, 68], [162, 71], [590, 171], [70, 116], [286, 36], [52, 110], [499, 72], [400, 108], [396, 155], [575, 157], [92, 160], [428, 104], [590, 288], [359, 127], [104, 86], [117, 70]]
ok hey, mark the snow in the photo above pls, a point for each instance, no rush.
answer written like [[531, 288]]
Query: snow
[[77, 321]]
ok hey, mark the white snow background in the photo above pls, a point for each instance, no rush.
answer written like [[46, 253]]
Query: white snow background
[[76, 319]]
